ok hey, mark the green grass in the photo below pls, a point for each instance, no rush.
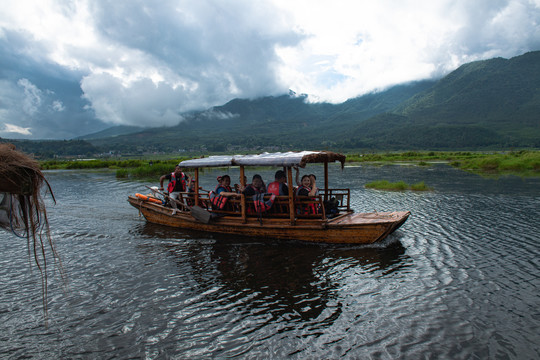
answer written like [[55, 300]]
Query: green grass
[[521, 163], [397, 186], [145, 171], [105, 164], [413, 156], [131, 168], [524, 162]]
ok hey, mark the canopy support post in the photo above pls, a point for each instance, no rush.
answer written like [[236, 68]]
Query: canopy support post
[[197, 186], [242, 197], [291, 199], [326, 181]]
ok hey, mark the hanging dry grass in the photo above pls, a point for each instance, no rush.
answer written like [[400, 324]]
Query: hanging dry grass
[[22, 180]]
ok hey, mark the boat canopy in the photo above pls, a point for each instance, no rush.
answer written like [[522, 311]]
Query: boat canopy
[[286, 159]]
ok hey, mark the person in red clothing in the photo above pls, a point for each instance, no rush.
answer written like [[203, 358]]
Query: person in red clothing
[[177, 184], [279, 185]]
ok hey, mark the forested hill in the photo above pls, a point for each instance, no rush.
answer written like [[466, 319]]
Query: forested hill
[[484, 104], [492, 104], [279, 123], [481, 105]]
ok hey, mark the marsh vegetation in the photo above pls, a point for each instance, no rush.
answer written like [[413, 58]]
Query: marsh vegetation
[[523, 163], [397, 186]]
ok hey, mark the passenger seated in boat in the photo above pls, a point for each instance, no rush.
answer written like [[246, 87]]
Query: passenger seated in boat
[[308, 187], [256, 191], [256, 187], [177, 184], [279, 185], [239, 188], [223, 190], [310, 176], [279, 188]]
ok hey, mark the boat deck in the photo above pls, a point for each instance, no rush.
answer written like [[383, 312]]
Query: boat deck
[[368, 218]]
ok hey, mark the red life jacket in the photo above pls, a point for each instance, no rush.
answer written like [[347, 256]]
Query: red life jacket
[[172, 183], [310, 208], [217, 200], [261, 205], [276, 188]]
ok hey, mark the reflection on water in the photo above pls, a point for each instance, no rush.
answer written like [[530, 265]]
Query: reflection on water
[[458, 280], [285, 272]]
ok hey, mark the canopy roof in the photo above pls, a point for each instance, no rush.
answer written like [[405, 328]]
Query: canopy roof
[[286, 159]]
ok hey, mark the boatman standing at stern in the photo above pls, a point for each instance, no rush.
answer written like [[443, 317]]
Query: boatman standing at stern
[[177, 184]]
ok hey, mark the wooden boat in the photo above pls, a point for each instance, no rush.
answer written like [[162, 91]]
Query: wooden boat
[[283, 220]]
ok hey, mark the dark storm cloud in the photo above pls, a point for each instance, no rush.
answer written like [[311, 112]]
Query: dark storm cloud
[[39, 96]]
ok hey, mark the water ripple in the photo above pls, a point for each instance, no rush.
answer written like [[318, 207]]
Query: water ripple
[[459, 280]]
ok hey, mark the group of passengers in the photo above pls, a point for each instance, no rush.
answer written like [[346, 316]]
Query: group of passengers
[[306, 186], [257, 189]]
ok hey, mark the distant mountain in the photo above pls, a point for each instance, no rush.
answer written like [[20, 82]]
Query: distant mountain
[[112, 131], [492, 103], [481, 105], [281, 122]]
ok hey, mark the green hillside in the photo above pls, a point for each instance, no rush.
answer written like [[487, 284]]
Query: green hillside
[[485, 104]]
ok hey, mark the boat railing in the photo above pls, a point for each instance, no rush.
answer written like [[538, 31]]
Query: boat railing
[[343, 196], [188, 198], [241, 205], [307, 207]]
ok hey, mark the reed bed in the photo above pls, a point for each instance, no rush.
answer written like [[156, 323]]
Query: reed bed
[[397, 186]]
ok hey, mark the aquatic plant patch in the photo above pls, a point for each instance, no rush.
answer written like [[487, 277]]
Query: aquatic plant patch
[[397, 186]]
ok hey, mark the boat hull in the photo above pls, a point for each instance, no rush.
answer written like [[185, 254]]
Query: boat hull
[[351, 228]]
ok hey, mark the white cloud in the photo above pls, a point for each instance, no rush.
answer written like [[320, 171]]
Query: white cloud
[[214, 114], [10, 128], [32, 97], [354, 47], [58, 106], [144, 62]]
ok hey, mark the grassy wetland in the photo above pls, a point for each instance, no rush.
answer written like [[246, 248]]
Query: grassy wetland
[[397, 186], [521, 163]]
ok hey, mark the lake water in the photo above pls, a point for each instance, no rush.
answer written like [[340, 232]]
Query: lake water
[[459, 280]]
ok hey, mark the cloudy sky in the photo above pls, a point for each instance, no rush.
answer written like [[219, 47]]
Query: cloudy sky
[[69, 68]]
